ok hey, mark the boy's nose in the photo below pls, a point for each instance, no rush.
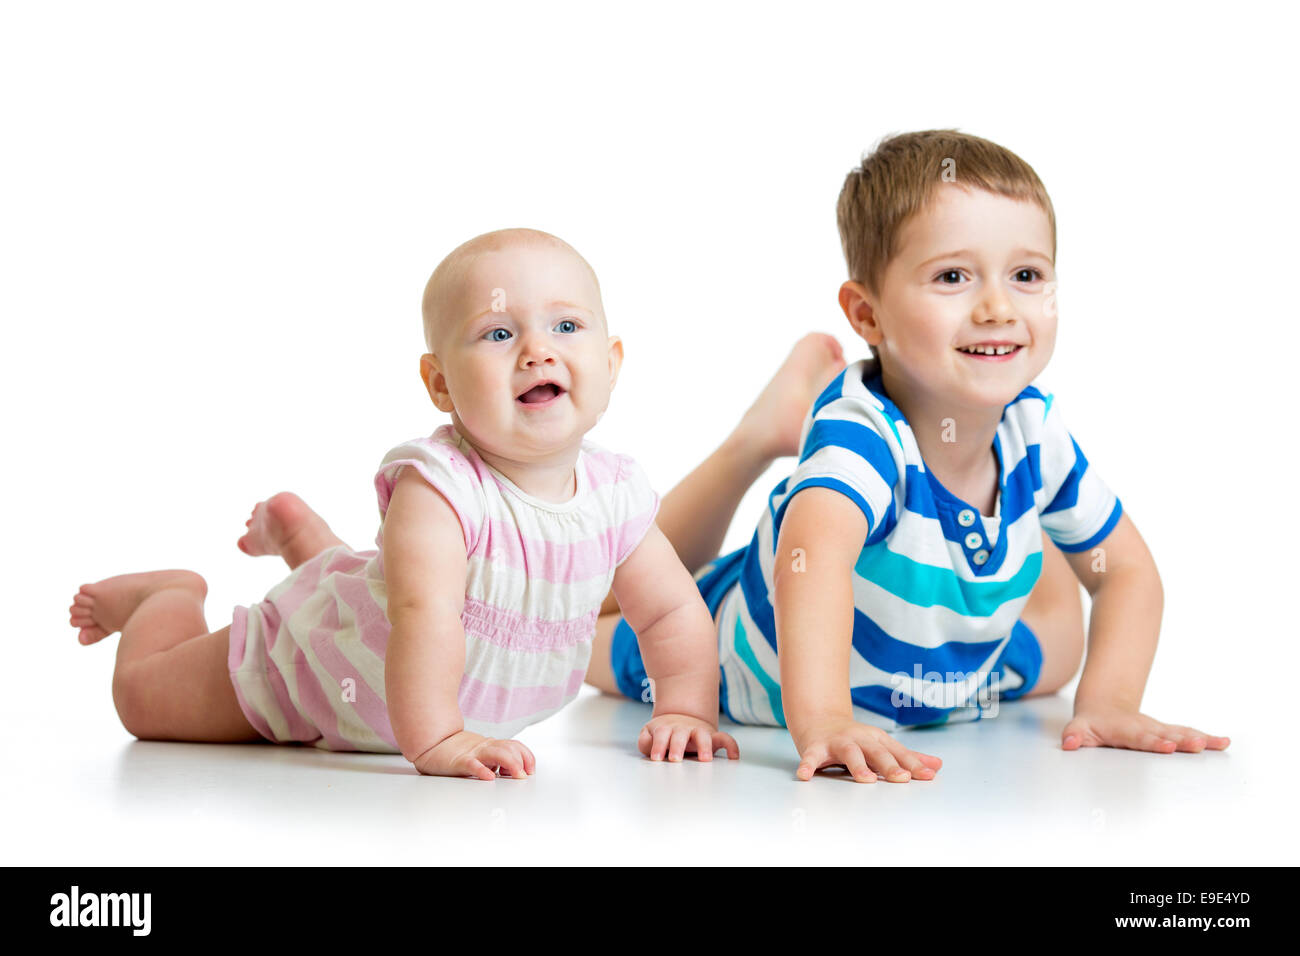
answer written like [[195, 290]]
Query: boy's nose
[[996, 308]]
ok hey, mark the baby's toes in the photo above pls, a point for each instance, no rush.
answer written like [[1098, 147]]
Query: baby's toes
[[89, 635]]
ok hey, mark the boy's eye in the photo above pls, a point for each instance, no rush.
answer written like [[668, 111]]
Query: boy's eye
[[497, 335], [949, 272], [566, 325], [1034, 274]]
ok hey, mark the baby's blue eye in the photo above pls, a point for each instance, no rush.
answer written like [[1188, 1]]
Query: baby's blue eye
[[492, 336], [567, 325]]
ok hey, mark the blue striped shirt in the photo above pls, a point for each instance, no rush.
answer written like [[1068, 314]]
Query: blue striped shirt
[[938, 586]]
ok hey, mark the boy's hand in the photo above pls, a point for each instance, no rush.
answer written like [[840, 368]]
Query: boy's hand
[[467, 754], [1117, 727], [862, 749], [679, 734]]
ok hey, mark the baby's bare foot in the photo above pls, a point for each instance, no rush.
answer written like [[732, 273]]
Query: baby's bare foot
[[283, 525], [100, 609], [774, 421]]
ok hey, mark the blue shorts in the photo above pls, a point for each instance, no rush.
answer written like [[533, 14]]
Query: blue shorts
[[1023, 653]]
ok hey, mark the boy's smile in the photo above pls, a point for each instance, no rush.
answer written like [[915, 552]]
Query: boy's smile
[[965, 317]]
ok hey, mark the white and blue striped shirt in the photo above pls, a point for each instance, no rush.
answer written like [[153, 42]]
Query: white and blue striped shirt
[[938, 587]]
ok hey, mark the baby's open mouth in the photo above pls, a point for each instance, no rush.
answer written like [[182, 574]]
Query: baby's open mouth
[[989, 349], [541, 394]]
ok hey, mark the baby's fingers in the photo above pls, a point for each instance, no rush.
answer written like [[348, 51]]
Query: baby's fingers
[[700, 737], [661, 736], [725, 741], [677, 743], [473, 767], [503, 755]]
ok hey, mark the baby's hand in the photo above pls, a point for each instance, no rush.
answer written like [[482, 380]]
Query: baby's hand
[[862, 749], [678, 735], [467, 754], [1117, 727]]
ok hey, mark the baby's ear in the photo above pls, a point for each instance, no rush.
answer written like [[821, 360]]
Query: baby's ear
[[435, 382], [615, 359]]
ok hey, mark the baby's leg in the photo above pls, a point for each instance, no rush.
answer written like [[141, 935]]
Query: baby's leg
[[695, 515], [1055, 615], [171, 680], [284, 525]]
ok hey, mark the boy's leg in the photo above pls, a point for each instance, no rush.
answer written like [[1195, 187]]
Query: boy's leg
[[1055, 615], [695, 515], [284, 525], [171, 680]]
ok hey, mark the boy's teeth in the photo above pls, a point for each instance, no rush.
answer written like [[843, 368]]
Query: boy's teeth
[[989, 349]]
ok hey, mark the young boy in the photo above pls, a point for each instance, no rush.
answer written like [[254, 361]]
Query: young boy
[[919, 564]]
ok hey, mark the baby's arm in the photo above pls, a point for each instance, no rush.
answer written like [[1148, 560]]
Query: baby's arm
[[1127, 601], [660, 601], [424, 571], [814, 627]]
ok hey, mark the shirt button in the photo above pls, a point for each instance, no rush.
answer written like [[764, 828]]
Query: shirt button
[[966, 518], [973, 540], [980, 556]]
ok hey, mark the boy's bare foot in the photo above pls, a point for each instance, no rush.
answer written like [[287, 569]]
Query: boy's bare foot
[[285, 526], [774, 421], [100, 609]]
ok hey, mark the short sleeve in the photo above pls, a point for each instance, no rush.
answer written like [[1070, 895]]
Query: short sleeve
[[637, 506], [1079, 510], [444, 466], [846, 450]]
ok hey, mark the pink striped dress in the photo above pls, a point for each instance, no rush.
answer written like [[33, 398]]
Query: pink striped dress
[[307, 663]]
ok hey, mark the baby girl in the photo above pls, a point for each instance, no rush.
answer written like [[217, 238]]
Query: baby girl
[[501, 536]]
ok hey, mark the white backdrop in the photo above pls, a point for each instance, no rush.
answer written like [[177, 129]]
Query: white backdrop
[[216, 221]]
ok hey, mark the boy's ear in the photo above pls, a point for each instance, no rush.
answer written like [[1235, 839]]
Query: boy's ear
[[855, 301], [435, 382], [615, 359]]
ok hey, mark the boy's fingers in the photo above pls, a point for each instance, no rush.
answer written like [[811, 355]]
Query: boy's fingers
[[856, 763], [883, 763], [913, 765], [1211, 742], [813, 759], [909, 760], [1145, 740]]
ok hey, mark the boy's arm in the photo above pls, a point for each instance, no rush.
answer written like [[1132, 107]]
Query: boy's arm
[[424, 571], [674, 629], [1127, 602], [821, 538]]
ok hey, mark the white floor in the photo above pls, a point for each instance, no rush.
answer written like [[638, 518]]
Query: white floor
[[91, 795]]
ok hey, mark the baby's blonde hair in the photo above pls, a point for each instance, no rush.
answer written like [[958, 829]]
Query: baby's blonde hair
[[898, 178], [438, 291]]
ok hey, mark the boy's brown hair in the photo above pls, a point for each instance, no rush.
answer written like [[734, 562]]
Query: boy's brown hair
[[898, 178]]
